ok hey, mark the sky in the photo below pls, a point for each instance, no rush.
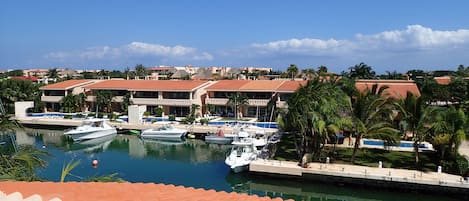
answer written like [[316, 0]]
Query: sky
[[396, 35]]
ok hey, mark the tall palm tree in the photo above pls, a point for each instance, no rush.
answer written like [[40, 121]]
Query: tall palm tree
[[313, 113], [80, 100], [417, 115], [292, 71], [237, 101], [104, 100], [449, 130], [362, 71], [68, 103], [372, 117]]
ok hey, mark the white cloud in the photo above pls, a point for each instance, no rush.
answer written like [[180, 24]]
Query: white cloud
[[415, 37], [134, 49]]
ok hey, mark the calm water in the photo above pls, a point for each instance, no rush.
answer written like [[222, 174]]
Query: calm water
[[191, 163]]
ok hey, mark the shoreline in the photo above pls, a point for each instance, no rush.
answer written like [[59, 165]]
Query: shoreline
[[387, 178]]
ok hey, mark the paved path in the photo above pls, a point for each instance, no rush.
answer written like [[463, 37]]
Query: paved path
[[360, 172]]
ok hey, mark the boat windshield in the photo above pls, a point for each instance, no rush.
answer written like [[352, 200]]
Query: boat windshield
[[92, 124]]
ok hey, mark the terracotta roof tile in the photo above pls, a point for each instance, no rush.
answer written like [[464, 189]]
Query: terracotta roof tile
[[246, 85], [148, 85], [78, 191], [291, 86], [262, 85], [67, 84], [397, 88], [227, 85]]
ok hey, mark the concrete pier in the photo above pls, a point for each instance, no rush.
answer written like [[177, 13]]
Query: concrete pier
[[137, 126], [361, 175]]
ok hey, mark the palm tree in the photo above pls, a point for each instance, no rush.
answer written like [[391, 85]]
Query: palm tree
[[292, 71], [68, 103], [126, 101], [309, 73], [362, 71], [52, 73], [313, 111], [141, 71], [104, 100], [449, 130], [372, 117], [80, 100], [417, 115], [237, 101]]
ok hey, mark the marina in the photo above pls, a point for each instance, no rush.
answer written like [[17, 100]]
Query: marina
[[190, 163]]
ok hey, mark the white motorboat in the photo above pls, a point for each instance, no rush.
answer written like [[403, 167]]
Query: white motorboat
[[241, 155], [166, 132], [91, 129]]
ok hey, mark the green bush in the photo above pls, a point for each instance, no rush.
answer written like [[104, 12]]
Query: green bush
[[68, 116], [158, 111], [91, 114], [204, 121], [146, 114], [172, 118]]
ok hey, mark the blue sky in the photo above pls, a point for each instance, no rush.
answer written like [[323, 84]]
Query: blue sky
[[88, 34]]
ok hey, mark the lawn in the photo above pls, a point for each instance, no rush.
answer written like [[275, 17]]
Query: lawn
[[366, 157]]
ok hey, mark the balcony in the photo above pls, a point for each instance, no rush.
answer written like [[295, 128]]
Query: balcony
[[165, 102], [53, 99], [224, 101], [117, 99], [217, 101], [258, 102]]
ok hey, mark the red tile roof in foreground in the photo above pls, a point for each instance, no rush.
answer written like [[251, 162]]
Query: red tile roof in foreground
[[148, 85], [66, 84], [397, 88], [445, 80], [81, 191]]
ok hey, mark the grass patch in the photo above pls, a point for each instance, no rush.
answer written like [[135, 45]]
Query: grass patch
[[365, 157]]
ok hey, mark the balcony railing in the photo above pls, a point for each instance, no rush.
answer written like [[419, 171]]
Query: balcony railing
[[224, 101], [165, 102], [54, 99], [118, 99]]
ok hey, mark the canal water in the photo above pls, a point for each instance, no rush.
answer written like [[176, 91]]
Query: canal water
[[191, 163]]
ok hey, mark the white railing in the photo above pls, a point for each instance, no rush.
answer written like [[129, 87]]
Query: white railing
[[114, 99], [54, 99], [217, 101]]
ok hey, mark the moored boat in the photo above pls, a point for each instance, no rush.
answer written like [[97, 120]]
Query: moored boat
[[241, 155], [91, 129], [166, 132]]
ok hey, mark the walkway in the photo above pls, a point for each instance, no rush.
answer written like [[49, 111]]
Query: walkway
[[392, 175]]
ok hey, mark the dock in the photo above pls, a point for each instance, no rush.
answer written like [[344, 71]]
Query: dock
[[193, 128], [362, 175]]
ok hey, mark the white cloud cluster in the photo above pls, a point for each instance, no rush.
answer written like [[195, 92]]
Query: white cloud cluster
[[134, 49], [415, 37]]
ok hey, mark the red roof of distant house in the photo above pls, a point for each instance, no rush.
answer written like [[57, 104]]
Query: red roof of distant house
[[30, 78], [397, 88], [148, 85], [67, 84], [80, 191], [445, 80]]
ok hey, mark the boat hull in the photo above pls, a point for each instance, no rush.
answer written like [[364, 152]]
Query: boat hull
[[150, 134], [88, 135]]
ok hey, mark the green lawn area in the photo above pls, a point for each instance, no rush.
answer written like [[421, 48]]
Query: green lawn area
[[366, 157]]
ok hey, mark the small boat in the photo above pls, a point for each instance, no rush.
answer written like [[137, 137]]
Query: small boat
[[218, 138], [241, 155], [166, 132], [91, 129]]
